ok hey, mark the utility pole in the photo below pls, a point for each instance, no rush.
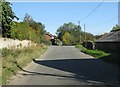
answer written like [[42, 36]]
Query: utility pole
[[80, 30], [85, 35], [84, 32]]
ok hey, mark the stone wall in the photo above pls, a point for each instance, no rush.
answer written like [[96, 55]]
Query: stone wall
[[110, 47], [15, 44]]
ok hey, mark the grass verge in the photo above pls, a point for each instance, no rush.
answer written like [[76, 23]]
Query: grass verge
[[113, 58], [21, 56], [94, 53]]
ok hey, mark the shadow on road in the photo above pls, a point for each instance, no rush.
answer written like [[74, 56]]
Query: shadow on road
[[87, 70], [113, 58]]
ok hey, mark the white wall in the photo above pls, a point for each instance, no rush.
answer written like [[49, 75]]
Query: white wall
[[14, 44]]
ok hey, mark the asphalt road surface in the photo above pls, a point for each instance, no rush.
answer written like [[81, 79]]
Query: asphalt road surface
[[66, 65]]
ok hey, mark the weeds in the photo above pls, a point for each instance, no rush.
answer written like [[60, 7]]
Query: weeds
[[21, 56]]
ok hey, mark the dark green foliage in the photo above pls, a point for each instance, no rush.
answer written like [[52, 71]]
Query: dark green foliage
[[7, 18], [71, 28]]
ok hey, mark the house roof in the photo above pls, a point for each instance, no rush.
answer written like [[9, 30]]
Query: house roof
[[49, 34], [110, 37]]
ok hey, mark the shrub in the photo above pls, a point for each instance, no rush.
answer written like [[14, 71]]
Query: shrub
[[20, 31], [33, 36], [58, 42]]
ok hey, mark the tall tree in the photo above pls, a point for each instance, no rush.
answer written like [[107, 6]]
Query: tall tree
[[28, 18], [38, 27], [72, 29], [74, 32], [7, 17], [68, 27]]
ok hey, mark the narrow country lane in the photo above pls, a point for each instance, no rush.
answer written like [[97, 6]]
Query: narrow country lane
[[66, 65]]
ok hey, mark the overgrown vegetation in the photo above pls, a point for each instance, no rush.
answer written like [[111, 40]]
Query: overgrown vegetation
[[115, 28], [27, 29], [20, 56], [94, 53]]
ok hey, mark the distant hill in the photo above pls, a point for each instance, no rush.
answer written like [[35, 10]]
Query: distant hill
[[111, 36]]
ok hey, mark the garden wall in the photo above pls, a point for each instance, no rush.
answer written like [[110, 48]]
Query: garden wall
[[111, 47]]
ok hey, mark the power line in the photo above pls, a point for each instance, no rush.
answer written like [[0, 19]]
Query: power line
[[104, 22], [93, 10]]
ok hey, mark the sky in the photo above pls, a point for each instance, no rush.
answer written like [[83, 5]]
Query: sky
[[55, 14]]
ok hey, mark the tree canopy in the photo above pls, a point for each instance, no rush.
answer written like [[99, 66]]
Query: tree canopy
[[74, 33], [7, 17], [68, 27], [28, 29]]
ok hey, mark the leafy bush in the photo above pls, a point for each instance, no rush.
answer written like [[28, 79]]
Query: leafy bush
[[33, 36], [58, 42], [67, 38], [20, 31]]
